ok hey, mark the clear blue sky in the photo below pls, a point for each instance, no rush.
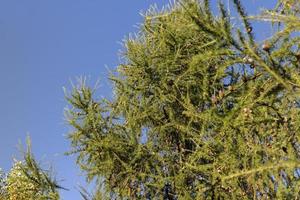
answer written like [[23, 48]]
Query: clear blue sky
[[43, 44]]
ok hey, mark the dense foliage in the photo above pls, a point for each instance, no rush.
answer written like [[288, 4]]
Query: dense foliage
[[27, 181], [202, 110]]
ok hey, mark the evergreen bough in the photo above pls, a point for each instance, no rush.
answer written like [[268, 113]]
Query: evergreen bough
[[201, 109], [27, 181]]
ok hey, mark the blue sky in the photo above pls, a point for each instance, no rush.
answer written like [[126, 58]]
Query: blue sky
[[44, 44]]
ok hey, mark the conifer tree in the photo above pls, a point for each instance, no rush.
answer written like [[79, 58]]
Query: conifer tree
[[202, 110], [27, 181]]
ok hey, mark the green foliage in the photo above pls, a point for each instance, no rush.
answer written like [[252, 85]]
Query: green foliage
[[27, 181], [201, 110], [98, 195]]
